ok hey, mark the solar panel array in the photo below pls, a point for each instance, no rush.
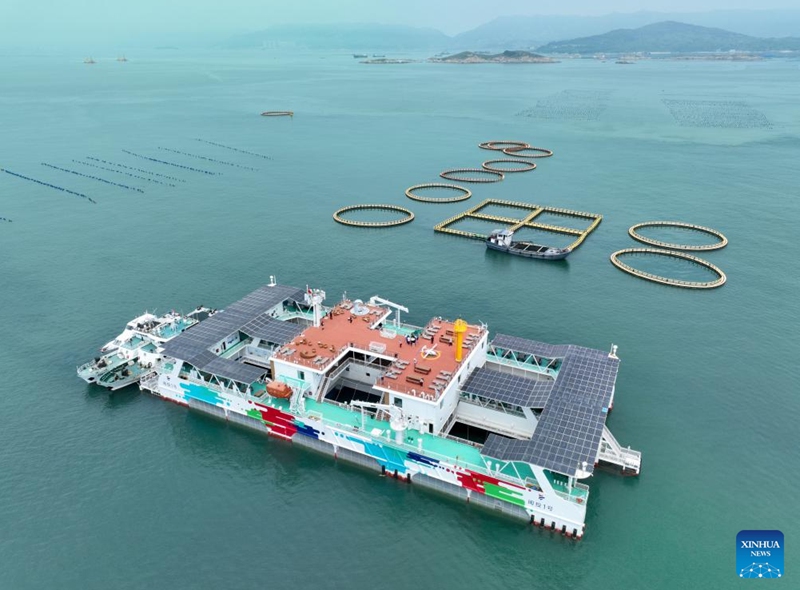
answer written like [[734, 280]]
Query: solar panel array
[[193, 345], [542, 349], [511, 389], [570, 427], [272, 330]]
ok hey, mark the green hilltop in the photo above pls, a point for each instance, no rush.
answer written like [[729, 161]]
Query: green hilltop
[[670, 36]]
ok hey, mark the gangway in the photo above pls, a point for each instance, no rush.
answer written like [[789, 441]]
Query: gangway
[[612, 452]]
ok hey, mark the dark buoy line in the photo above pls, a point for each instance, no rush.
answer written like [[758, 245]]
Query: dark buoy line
[[6, 219], [130, 188], [137, 169], [227, 147], [172, 164], [60, 188], [209, 159], [121, 172]]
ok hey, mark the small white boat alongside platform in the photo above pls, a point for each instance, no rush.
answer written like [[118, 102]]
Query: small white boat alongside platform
[[135, 350]]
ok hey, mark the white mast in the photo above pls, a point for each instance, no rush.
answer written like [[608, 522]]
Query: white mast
[[314, 298]]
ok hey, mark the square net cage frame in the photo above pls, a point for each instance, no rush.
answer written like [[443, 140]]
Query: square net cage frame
[[529, 212]]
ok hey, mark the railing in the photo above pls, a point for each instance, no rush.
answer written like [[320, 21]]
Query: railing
[[149, 381], [463, 441], [389, 438], [492, 357], [486, 423], [231, 351], [296, 314], [579, 494], [612, 452], [211, 386], [258, 353], [449, 422], [492, 405]]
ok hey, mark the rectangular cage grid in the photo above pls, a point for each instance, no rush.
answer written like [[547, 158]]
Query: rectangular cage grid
[[528, 212]]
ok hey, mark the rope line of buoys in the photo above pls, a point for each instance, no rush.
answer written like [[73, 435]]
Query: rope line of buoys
[[122, 172], [227, 147], [501, 144], [6, 219], [76, 173], [134, 168], [633, 231], [208, 159], [172, 164], [525, 165], [718, 282], [465, 193], [60, 188], [277, 114], [540, 152], [457, 175], [409, 215]]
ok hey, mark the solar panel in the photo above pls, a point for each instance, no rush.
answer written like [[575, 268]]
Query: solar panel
[[526, 392], [570, 427], [222, 324], [272, 330]]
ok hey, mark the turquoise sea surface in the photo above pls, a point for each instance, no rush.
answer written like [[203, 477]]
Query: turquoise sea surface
[[105, 491]]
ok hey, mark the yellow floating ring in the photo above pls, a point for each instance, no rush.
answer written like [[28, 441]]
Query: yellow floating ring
[[277, 114], [454, 173], [718, 282], [465, 193], [499, 145], [633, 231], [540, 152], [528, 166], [409, 216]]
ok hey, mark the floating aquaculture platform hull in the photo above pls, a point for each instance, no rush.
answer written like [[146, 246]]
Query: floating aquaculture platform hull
[[352, 382], [376, 455]]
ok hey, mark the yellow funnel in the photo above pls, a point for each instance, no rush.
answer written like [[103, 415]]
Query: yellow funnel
[[459, 328]]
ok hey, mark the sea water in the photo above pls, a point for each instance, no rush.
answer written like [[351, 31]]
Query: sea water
[[123, 491]]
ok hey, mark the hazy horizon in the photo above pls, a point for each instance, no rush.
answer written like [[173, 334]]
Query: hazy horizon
[[37, 23]]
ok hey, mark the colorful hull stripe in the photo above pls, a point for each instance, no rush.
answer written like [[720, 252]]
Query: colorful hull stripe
[[284, 425]]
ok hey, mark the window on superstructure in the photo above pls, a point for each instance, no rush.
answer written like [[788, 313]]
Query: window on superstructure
[[398, 401]]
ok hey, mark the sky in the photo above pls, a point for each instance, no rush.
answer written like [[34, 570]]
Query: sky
[[64, 22]]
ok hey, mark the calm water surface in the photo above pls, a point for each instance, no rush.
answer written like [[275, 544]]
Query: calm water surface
[[124, 491]]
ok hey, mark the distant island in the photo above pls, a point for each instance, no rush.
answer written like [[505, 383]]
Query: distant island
[[388, 60], [507, 57], [670, 37]]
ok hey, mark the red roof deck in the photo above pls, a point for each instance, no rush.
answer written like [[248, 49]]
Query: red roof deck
[[413, 372]]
